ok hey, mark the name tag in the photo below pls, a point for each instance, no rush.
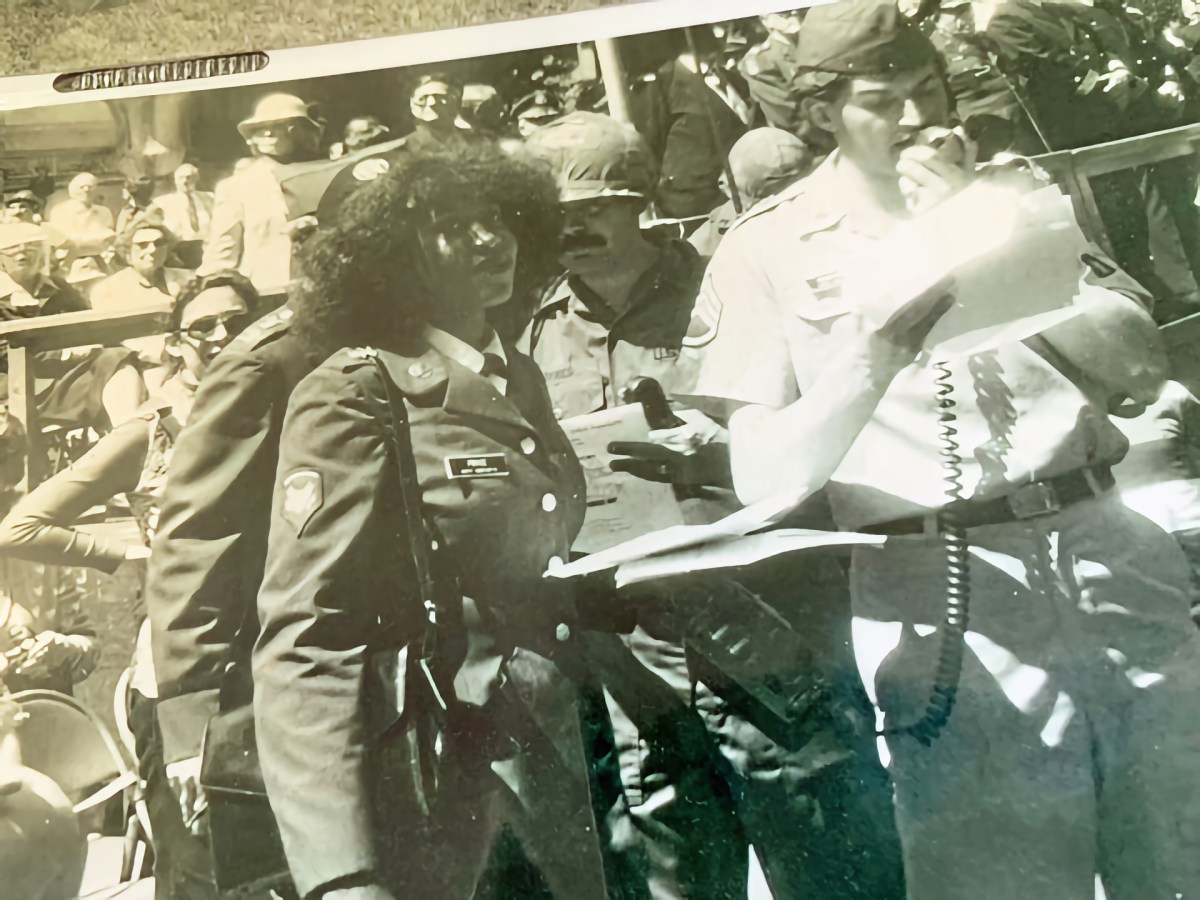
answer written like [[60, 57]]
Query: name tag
[[490, 465]]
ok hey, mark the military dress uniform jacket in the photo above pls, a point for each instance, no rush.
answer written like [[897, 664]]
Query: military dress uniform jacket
[[208, 552], [502, 495]]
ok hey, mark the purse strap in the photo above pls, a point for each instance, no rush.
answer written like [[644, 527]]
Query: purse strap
[[419, 538]]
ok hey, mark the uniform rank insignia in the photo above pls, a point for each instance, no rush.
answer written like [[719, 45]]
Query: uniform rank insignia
[[303, 495], [488, 465]]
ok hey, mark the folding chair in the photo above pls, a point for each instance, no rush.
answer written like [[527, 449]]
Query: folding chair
[[64, 740]]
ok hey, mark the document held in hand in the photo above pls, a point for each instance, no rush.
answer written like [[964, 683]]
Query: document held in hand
[[1002, 246], [620, 506]]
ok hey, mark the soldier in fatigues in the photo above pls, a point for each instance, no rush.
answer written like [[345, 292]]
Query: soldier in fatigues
[[427, 470], [818, 815], [1072, 745]]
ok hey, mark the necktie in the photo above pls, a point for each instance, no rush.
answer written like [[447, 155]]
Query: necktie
[[193, 213]]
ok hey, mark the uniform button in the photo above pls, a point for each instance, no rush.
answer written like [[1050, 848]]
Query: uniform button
[[433, 545], [419, 370], [549, 502], [554, 562], [528, 445], [562, 632]]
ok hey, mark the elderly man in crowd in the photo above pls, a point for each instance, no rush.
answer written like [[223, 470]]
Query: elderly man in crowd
[[252, 228], [187, 213], [87, 226]]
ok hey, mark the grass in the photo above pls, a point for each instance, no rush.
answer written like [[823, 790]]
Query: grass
[[42, 36]]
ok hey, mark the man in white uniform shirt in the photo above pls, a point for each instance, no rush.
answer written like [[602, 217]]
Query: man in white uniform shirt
[[1072, 745]]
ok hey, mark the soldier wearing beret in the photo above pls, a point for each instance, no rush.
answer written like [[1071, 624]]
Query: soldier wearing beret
[[424, 474], [1070, 743]]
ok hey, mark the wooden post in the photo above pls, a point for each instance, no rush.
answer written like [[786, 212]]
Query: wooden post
[[616, 82], [22, 407]]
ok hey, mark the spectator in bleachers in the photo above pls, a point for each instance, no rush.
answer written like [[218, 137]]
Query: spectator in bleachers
[[251, 228], [96, 387], [23, 206], [187, 213], [361, 132], [146, 282], [87, 226], [136, 194], [435, 104]]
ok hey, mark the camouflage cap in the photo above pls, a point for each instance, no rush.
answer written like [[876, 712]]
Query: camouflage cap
[[593, 155], [860, 37]]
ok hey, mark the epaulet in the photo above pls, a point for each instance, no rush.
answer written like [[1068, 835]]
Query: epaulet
[[263, 330], [558, 293], [412, 375], [350, 358], [767, 204]]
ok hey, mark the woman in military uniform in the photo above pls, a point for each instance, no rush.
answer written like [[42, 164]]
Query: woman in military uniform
[[422, 474]]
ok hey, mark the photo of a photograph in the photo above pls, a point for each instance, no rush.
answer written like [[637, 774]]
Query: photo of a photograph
[[735, 453]]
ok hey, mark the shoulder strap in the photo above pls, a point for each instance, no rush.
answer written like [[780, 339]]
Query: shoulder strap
[[419, 539]]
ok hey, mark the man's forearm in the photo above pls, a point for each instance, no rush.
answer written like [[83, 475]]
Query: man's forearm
[[798, 448]]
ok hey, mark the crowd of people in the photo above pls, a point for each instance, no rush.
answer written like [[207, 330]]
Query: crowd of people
[[353, 454]]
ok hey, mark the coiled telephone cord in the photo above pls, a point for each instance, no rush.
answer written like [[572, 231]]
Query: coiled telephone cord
[[958, 577]]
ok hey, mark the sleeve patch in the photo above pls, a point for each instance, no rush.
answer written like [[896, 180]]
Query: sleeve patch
[[303, 495]]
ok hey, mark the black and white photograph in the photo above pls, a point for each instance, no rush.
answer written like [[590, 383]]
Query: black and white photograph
[[656, 453]]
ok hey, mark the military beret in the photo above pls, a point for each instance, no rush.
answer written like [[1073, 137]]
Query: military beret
[[860, 37]]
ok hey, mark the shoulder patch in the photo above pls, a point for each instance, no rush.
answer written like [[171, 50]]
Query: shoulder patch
[[303, 495]]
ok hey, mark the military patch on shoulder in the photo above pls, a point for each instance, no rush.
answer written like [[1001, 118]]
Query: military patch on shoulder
[[370, 169], [303, 495], [705, 319]]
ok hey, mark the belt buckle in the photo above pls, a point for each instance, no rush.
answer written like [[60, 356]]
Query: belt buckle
[[1033, 501]]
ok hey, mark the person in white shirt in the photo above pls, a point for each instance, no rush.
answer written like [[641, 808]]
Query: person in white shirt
[[251, 229], [187, 212], [88, 227]]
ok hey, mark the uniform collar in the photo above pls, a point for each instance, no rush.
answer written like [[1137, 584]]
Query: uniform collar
[[462, 352]]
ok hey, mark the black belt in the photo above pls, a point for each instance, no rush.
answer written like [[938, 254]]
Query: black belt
[[1030, 501]]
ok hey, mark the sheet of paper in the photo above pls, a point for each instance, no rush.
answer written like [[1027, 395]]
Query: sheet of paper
[[619, 506], [753, 518], [738, 551], [1014, 256]]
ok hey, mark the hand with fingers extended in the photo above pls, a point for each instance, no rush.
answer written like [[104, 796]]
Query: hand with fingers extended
[[694, 453], [706, 465]]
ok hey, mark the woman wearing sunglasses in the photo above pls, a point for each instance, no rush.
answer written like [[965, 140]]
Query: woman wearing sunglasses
[[131, 460]]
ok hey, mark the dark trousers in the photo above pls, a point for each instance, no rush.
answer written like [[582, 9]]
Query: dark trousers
[[517, 764], [182, 858], [701, 783]]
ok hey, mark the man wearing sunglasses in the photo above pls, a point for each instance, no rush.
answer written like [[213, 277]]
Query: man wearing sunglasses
[[146, 282]]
